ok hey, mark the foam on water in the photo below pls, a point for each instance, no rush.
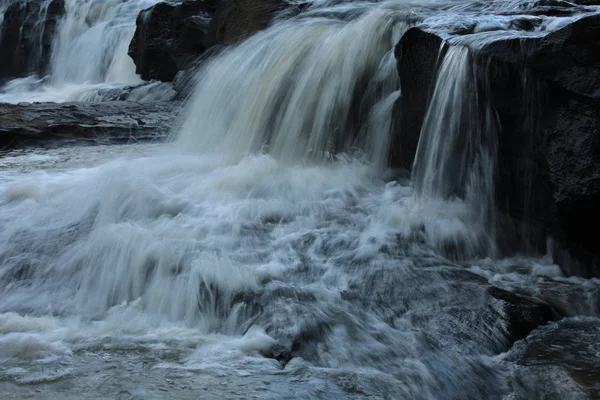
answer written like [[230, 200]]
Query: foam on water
[[204, 266]]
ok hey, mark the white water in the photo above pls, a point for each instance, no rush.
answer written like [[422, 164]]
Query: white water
[[176, 256], [89, 54], [455, 160], [169, 271], [301, 86]]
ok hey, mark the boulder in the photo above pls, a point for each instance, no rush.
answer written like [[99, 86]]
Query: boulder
[[26, 37], [170, 37], [565, 138], [545, 97], [107, 122]]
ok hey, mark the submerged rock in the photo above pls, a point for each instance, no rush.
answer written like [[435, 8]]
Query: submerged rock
[[26, 36], [523, 314], [544, 94], [170, 37], [111, 121]]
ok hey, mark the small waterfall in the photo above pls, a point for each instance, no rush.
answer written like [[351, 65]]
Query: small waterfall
[[3, 6], [26, 32], [300, 90], [92, 41], [39, 29], [455, 159], [78, 54]]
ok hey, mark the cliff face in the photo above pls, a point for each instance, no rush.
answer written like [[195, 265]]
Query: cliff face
[[544, 96]]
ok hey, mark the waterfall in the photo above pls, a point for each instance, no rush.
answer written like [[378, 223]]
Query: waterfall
[[300, 91], [39, 29], [88, 58], [456, 154], [92, 41]]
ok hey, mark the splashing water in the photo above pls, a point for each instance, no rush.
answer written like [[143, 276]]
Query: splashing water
[[455, 159]]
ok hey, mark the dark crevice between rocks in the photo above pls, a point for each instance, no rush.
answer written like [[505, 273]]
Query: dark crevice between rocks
[[523, 314]]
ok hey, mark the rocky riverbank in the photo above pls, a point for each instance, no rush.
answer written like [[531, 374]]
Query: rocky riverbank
[[105, 122]]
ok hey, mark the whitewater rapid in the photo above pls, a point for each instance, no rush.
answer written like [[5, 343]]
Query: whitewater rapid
[[181, 271]]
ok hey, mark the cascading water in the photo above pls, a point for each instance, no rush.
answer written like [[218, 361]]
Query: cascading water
[[298, 91], [89, 54], [455, 159], [246, 260], [92, 42]]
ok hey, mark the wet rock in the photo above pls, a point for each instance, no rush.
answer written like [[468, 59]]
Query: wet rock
[[569, 347], [112, 121], [545, 97], [26, 36], [279, 353], [523, 314], [170, 37], [417, 56], [236, 20], [562, 121]]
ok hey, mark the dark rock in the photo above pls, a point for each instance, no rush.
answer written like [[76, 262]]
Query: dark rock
[[113, 121], [571, 345], [26, 38], [545, 97], [417, 54], [523, 314], [236, 20], [170, 37], [563, 124]]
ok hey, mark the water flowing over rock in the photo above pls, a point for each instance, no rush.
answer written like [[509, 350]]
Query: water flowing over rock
[[84, 51], [26, 36], [543, 95], [326, 87], [170, 37]]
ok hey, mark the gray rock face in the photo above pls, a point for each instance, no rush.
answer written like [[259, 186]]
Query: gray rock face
[[170, 37], [545, 96], [26, 37], [112, 121]]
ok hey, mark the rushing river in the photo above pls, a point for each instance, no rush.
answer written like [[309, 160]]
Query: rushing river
[[266, 251]]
